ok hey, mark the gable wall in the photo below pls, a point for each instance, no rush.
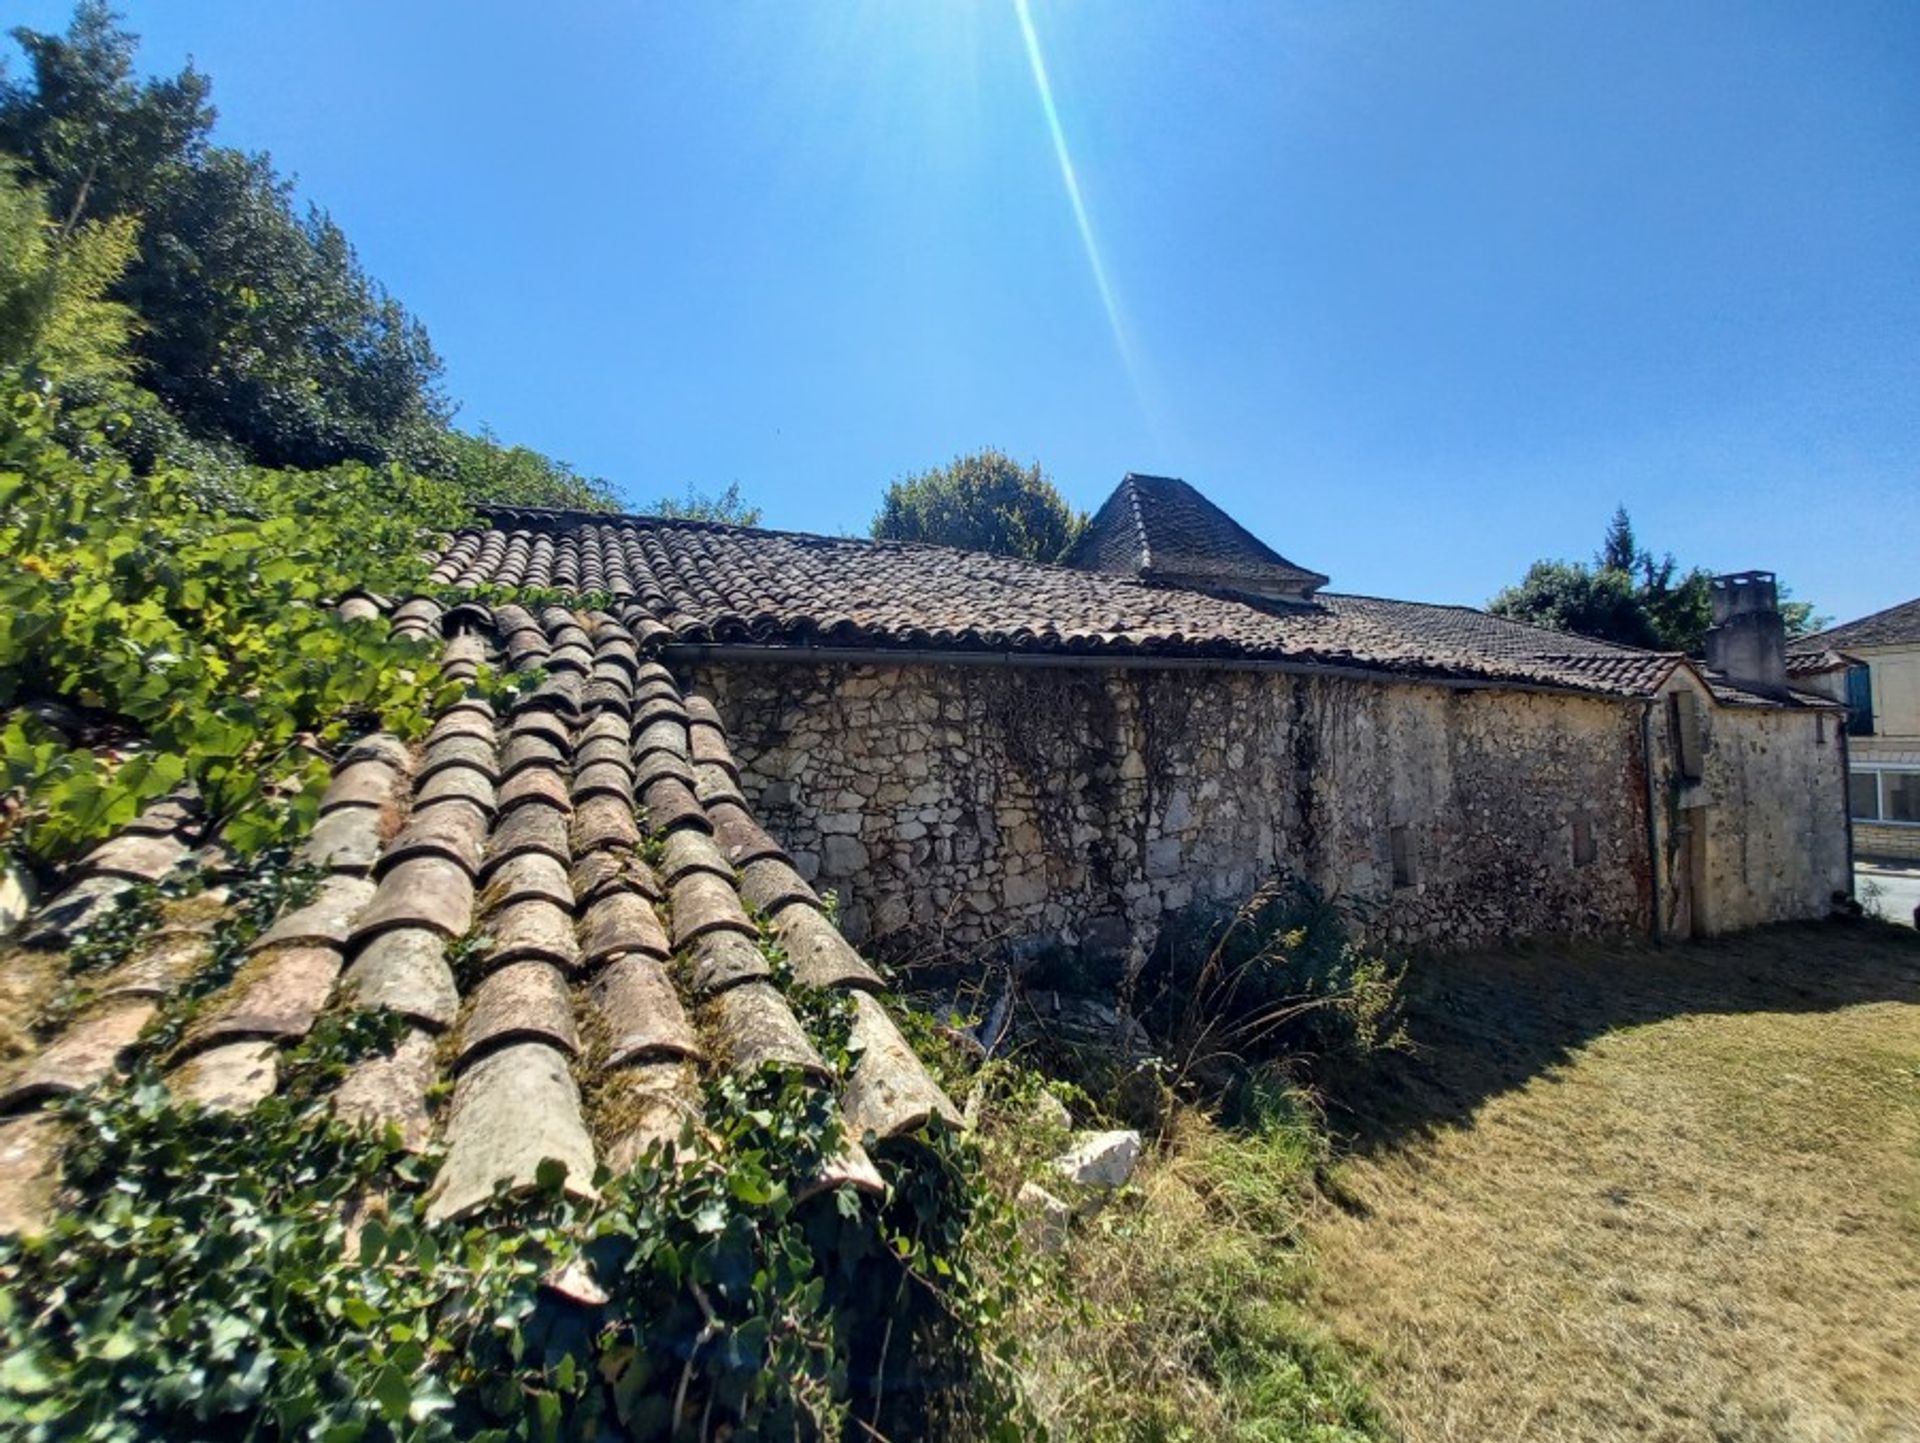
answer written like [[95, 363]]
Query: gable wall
[[972, 806], [1770, 805]]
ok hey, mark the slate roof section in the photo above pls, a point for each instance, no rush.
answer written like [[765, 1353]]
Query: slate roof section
[[1159, 527], [593, 837], [692, 582], [1895, 626]]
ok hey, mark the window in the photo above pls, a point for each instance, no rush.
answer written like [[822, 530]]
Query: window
[[1400, 842], [1884, 796], [1859, 702], [1584, 850], [1684, 736], [1863, 796], [1900, 797]]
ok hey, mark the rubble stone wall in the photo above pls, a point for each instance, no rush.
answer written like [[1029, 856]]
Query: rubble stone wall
[[965, 807], [1770, 806]]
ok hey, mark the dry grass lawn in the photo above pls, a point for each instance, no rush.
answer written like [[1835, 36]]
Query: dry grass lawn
[[1641, 1194]]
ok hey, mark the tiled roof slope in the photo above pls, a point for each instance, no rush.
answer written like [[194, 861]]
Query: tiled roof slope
[[594, 837], [1159, 526], [702, 582], [1892, 627], [1802, 661]]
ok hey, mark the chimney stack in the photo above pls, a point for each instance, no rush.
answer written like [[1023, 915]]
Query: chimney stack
[[1748, 641]]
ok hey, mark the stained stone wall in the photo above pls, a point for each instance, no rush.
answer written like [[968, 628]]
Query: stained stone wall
[[1769, 808], [965, 807]]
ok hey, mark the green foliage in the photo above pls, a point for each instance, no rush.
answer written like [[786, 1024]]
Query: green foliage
[[1173, 1311], [1628, 596], [54, 280], [1571, 596], [727, 506], [110, 940], [258, 324], [155, 630], [273, 1273], [483, 469], [981, 502], [253, 324], [1229, 989]]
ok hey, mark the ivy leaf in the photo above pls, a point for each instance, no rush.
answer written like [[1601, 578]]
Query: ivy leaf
[[430, 1395], [550, 1176], [755, 1189], [393, 1393], [26, 1374]]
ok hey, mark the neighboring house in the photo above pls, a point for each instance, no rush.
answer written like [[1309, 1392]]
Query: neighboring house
[[1873, 666]]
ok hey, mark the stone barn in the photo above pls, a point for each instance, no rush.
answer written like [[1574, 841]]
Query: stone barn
[[978, 752], [712, 725]]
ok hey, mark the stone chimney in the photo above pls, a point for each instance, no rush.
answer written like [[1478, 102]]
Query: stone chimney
[[1747, 643]]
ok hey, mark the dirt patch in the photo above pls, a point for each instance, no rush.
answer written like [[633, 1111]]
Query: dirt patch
[[1626, 1193]]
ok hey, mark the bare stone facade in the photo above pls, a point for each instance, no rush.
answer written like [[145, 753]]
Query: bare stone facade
[[970, 806], [1761, 834]]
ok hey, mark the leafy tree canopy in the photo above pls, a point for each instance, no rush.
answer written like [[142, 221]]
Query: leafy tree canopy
[[251, 325], [981, 502], [54, 281], [696, 505], [486, 469], [1627, 595]]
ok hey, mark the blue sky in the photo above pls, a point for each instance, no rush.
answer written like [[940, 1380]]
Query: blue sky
[[1416, 291]]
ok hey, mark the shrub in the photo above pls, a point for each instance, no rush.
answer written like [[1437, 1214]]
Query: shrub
[[1277, 976]]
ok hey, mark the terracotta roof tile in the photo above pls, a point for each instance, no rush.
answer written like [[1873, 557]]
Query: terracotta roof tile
[[702, 583], [580, 975]]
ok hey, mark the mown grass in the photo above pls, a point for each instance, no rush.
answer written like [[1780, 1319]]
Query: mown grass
[[1622, 1193]]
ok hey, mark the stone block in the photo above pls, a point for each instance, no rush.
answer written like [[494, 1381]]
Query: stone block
[[844, 856], [1101, 1159], [1044, 1219]]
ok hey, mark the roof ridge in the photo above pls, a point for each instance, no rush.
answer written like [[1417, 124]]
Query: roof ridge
[[1620, 646], [1819, 637], [1132, 483], [495, 513]]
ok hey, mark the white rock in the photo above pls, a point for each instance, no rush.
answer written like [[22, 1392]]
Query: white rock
[[17, 898], [1052, 1112], [1044, 1219], [1101, 1159]]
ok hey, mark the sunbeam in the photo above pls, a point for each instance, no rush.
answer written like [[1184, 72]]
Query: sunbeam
[[1072, 182]]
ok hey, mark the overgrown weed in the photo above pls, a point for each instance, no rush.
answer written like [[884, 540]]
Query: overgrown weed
[[1178, 1320]]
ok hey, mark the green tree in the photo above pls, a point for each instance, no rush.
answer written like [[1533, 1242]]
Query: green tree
[[485, 469], [1628, 596], [981, 502], [54, 281], [727, 506], [1619, 551], [257, 323], [252, 331], [1572, 596]]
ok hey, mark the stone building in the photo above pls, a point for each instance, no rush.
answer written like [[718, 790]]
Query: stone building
[[715, 725], [974, 751]]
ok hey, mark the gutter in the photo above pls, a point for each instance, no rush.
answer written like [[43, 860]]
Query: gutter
[[702, 651], [1653, 823]]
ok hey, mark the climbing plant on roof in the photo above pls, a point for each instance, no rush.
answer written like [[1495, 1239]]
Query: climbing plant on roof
[[156, 631]]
